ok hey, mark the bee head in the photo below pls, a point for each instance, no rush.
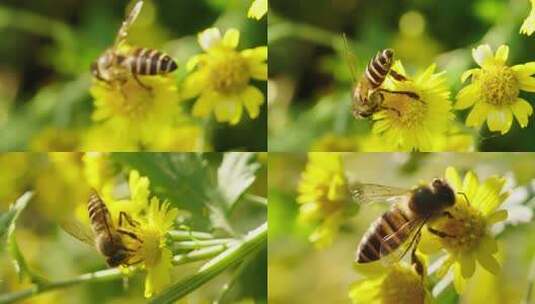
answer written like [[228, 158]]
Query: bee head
[[118, 258], [444, 191]]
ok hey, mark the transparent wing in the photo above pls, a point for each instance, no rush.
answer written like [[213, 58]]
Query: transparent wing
[[372, 193], [123, 31], [79, 231], [411, 232], [350, 59]]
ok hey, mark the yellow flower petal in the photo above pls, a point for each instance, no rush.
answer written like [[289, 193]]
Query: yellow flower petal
[[527, 84], [522, 111], [226, 109], [453, 178], [470, 185], [502, 53], [468, 265], [496, 217], [458, 281], [482, 54], [500, 119], [467, 74], [209, 38], [258, 9], [467, 97], [204, 105], [487, 197], [231, 38], [478, 115], [488, 244], [252, 99], [488, 262], [194, 84]]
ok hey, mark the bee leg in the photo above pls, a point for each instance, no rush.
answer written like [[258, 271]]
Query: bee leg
[[392, 109], [130, 234], [146, 87], [128, 218], [408, 93], [416, 263], [397, 76], [440, 234]]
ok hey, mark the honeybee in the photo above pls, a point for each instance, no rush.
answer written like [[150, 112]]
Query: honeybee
[[114, 67], [367, 96], [104, 236], [410, 210]]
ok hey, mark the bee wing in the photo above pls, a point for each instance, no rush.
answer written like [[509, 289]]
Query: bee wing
[[372, 193], [79, 231], [412, 228], [350, 59], [123, 31]]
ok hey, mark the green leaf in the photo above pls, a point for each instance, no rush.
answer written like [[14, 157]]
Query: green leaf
[[235, 174], [7, 219]]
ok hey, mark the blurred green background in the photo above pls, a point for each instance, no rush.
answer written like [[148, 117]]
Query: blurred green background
[[48, 46], [310, 82], [299, 273], [60, 183]]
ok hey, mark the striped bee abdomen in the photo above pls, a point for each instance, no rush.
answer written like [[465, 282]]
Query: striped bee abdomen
[[378, 241], [145, 61], [379, 66], [98, 214]]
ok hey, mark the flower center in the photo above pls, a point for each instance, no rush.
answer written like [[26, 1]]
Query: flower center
[[498, 85], [465, 229], [406, 111], [133, 101], [229, 73], [402, 286]]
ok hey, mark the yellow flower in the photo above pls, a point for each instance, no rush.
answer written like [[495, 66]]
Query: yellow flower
[[55, 139], [494, 91], [528, 27], [398, 284], [133, 112], [222, 77], [156, 257], [98, 171], [467, 236], [185, 137], [414, 124], [258, 9], [323, 195]]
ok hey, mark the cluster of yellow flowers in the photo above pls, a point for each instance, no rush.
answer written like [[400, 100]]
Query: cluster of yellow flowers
[[128, 115], [324, 198]]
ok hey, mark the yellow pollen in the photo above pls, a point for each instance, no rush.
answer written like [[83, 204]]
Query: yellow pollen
[[229, 73], [133, 101], [411, 111], [466, 228], [498, 85], [402, 286]]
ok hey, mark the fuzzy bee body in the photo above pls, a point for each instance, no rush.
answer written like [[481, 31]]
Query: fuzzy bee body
[[394, 227], [367, 99], [114, 66], [108, 240]]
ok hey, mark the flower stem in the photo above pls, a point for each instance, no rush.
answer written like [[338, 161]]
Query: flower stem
[[200, 244], [198, 255], [98, 276], [184, 235], [253, 241]]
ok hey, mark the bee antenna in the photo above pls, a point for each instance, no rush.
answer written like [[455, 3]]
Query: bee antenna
[[350, 58], [132, 16]]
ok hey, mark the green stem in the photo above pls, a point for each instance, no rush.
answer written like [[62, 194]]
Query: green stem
[[99, 276], [198, 255], [184, 235], [200, 244], [252, 242]]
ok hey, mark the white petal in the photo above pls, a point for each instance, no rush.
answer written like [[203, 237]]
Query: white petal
[[482, 53], [209, 37]]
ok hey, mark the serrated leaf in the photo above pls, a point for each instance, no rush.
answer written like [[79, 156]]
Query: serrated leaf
[[235, 175]]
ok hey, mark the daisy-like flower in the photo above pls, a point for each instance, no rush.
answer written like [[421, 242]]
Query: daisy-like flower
[[413, 124], [398, 284], [528, 27], [493, 91], [467, 232], [156, 256], [258, 9], [221, 77], [324, 196], [134, 112]]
